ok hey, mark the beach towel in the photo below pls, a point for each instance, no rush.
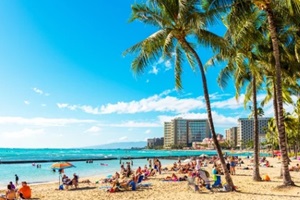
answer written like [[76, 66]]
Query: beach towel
[[104, 187], [144, 184]]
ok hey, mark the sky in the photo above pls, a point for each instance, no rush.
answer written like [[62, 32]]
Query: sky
[[64, 82]]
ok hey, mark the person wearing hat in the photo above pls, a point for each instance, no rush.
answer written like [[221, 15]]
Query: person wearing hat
[[24, 191]]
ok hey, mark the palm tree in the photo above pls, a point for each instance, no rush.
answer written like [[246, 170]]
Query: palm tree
[[177, 21], [268, 7], [272, 135], [242, 56]]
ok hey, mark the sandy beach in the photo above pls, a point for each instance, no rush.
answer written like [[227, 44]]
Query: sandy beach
[[247, 189]]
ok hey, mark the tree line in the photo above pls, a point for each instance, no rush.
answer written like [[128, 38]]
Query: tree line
[[259, 52]]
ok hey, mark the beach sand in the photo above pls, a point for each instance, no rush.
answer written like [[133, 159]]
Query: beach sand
[[247, 189]]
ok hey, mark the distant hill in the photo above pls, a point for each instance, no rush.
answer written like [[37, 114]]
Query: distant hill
[[119, 145]]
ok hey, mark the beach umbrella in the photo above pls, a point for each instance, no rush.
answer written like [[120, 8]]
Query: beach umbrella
[[203, 155], [61, 166], [187, 160]]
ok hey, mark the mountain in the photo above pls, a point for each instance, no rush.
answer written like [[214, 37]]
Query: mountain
[[119, 145]]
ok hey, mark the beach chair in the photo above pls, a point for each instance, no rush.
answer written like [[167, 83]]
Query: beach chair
[[192, 185]]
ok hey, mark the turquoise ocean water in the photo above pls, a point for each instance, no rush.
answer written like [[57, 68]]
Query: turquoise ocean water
[[32, 174]]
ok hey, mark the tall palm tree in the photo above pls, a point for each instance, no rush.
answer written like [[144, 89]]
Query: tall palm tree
[[178, 21], [268, 7], [241, 56]]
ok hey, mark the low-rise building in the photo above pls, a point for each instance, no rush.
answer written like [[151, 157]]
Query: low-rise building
[[155, 142]]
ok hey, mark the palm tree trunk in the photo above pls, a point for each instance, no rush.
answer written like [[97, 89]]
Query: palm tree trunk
[[210, 119], [256, 175], [287, 180], [275, 104], [276, 118]]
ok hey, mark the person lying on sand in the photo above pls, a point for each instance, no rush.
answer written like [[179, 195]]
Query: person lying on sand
[[171, 178], [295, 168]]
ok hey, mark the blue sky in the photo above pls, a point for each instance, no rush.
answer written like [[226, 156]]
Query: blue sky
[[65, 83]]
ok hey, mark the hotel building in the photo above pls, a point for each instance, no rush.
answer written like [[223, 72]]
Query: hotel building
[[185, 131], [245, 131], [232, 135]]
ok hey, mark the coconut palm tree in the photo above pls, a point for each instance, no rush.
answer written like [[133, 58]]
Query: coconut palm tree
[[268, 7], [179, 23], [241, 56]]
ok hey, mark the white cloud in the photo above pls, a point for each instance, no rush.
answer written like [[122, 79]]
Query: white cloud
[[134, 124], [151, 104], [26, 102], [93, 129], [269, 109], [154, 70], [216, 96], [163, 102], [218, 119], [168, 65], [231, 103], [123, 138], [39, 121], [148, 131], [62, 105], [39, 91], [24, 133]]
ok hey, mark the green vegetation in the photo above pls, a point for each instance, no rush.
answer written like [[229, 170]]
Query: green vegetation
[[260, 51]]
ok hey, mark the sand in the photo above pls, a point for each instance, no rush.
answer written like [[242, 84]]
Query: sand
[[247, 188]]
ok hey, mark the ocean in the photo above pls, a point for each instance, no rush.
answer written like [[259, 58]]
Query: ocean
[[106, 162]]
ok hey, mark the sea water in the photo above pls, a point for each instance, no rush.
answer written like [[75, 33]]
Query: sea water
[[101, 168]]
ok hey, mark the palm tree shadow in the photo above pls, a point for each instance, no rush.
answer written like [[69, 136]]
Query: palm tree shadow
[[274, 195], [82, 188], [242, 175]]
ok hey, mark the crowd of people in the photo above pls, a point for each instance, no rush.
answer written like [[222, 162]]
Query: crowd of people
[[12, 192], [128, 178]]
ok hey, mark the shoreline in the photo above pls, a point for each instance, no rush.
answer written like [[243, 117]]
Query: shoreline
[[93, 159], [162, 190], [229, 153]]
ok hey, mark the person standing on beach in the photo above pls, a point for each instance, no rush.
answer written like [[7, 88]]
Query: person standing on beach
[[158, 166], [17, 179]]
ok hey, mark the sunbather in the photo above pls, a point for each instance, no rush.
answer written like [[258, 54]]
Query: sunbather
[[295, 168], [75, 180], [10, 194], [171, 178]]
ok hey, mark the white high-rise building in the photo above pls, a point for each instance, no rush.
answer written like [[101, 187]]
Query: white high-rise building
[[246, 129]]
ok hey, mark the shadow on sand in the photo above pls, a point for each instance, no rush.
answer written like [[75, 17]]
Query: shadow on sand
[[82, 188]]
